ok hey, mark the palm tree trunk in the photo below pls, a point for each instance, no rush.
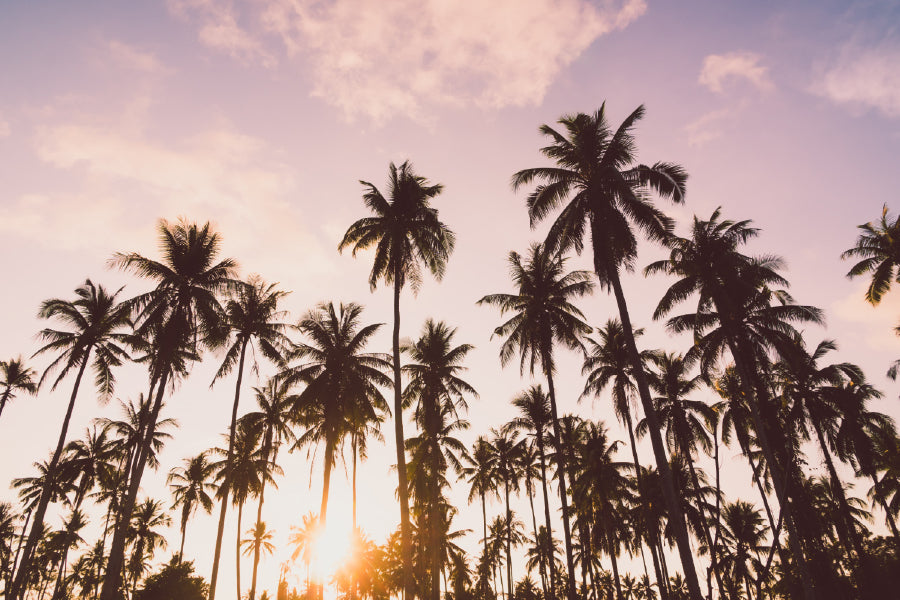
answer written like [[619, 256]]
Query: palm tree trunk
[[354, 487], [561, 472], [405, 540], [237, 550], [113, 579], [183, 535], [484, 521], [713, 551], [676, 516], [224, 491], [323, 509], [17, 591], [12, 567], [539, 436], [262, 493], [508, 540], [615, 565], [543, 570]]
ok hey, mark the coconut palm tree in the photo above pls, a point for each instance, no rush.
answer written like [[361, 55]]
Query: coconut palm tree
[[254, 321], [508, 448], [15, 377], [534, 420], [176, 320], [878, 247], [438, 392], [259, 539], [272, 422], [303, 539], [339, 376], [405, 231], [67, 538], [543, 314], [743, 539], [148, 517], [605, 196], [480, 471], [191, 486], [95, 320], [8, 527]]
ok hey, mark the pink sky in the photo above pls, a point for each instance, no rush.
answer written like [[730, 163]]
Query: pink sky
[[262, 116]]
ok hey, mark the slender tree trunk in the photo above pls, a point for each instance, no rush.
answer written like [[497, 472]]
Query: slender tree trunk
[[12, 567], [484, 539], [183, 535], [18, 589], [237, 550], [405, 540], [113, 579], [540, 442], [508, 539], [354, 485], [262, 493], [670, 494], [561, 471], [713, 551], [543, 570], [224, 490], [3, 399], [611, 548]]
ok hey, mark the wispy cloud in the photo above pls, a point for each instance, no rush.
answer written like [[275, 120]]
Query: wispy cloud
[[133, 59], [219, 29], [720, 69], [404, 57], [708, 127], [864, 77]]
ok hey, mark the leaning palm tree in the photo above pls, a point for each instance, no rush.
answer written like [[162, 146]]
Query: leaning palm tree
[[191, 486], [339, 375], [95, 320], [405, 232], [543, 314], [176, 320], [15, 376], [607, 196], [253, 318]]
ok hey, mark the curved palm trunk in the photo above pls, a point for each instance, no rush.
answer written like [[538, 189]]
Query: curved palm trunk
[[237, 550], [4, 398], [12, 566], [112, 582], [18, 588], [540, 443], [676, 517], [405, 541], [615, 565], [184, 517], [561, 471], [651, 537], [262, 493], [224, 506]]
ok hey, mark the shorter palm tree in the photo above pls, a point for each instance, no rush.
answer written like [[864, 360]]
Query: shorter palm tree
[[15, 377], [259, 540], [191, 486]]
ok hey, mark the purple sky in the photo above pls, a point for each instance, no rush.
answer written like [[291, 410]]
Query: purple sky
[[262, 116]]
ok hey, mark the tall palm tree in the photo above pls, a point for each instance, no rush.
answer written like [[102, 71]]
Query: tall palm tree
[[607, 194], [339, 377], [743, 538], [272, 422], [253, 318], [260, 539], [543, 314], [15, 376], [303, 539], [95, 320], [191, 486], [534, 419], [176, 320], [607, 363], [405, 231], [480, 471], [438, 392], [508, 448]]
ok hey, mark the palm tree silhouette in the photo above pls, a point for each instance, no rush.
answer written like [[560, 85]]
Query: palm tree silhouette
[[191, 485], [606, 194], [148, 516], [15, 376], [508, 448], [95, 320], [176, 320], [253, 318], [543, 315], [480, 470], [303, 539], [405, 231]]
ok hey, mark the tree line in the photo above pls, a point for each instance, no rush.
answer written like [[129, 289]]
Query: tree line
[[779, 397]]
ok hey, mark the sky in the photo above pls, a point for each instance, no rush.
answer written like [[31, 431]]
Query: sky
[[262, 117]]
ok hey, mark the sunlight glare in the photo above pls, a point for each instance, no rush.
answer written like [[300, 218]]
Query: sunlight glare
[[332, 549]]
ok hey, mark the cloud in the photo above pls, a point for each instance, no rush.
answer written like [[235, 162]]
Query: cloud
[[708, 127], [5, 129], [864, 77], [219, 29], [718, 69], [380, 59], [875, 324], [133, 59]]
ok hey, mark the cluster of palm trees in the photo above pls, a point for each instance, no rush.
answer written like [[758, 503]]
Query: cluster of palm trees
[[778, 398]]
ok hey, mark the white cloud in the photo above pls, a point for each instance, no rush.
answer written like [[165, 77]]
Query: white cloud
[[402, 57], [708, 127], [133, 59], [219, 29], [866, 77], [718, 69]]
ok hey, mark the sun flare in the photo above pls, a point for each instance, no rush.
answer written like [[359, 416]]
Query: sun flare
[[331, 550]]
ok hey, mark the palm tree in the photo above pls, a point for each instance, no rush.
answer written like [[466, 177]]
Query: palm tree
[[543, 314], [534, 419], [260, 539], [95, 319], [8, 528], [743, 539], [303, 539], [480, 470], [508, 449], [176, 320], [339, 376], [67, 538], [405, 231], [878, 247], [148, 516], [438, 391], [595, 169], [251, 315], [15, 377], [191, 485], [272, 423]]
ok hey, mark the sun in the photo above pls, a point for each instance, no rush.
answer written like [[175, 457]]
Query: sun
[[332, 549]]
